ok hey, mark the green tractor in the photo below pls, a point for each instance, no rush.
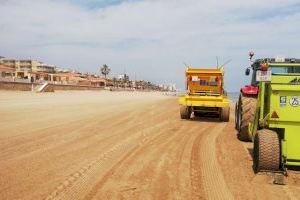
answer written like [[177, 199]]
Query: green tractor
[[275, 127]]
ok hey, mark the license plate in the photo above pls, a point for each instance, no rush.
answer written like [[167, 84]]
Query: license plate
[[263, 76]]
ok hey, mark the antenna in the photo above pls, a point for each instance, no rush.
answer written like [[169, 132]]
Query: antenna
[[186, 65], [228, 61], [217, 58]]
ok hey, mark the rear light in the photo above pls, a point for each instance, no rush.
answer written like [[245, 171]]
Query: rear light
[[274, 115]]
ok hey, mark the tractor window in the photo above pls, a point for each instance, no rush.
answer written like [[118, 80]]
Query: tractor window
[[286, 70], [203, 82], [213, 83], [279, 70], [208, 83]]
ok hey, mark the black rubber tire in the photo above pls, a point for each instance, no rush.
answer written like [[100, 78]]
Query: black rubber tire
[[266, 151], [236, 119], [185, 112], [225, 112], [246, 114]]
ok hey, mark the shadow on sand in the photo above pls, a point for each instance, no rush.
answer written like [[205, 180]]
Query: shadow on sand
[[205, 119]]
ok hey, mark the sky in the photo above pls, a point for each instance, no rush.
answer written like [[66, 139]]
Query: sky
[[150, 39]]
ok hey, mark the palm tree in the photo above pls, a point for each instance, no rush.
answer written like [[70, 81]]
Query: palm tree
[[126, 78], [114, 81], [105, 70]]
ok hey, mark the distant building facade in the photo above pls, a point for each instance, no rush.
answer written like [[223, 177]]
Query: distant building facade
[[36, 71], [27, 69], [6, 71]]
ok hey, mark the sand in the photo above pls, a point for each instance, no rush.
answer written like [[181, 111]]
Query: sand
[[123, 145]]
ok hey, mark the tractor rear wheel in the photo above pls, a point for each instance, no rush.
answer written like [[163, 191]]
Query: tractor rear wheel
[[266, 151], [224, 116], [185, 112], [245, 114], [236, 121]]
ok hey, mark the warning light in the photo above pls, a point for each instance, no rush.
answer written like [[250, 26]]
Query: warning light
[[274, 115], [264, 67], [251, 54]]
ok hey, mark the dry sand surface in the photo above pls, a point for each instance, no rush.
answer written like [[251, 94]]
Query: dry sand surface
[[123, 145]]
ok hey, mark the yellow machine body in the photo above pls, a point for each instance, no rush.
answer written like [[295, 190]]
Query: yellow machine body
[[205, 88]]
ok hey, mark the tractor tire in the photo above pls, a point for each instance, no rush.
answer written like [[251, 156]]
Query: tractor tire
[[225, 112], [185, 112], [246, 114], [266, 151], [236, 121]]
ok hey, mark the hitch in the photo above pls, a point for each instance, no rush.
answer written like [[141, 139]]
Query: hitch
[[279, 178]]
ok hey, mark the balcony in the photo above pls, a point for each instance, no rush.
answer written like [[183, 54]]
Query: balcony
[[48, 69], [25, 68], [25, 62]]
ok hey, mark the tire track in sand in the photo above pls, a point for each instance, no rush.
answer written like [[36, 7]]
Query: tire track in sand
[[195, 162], [206, 175], [75, 183], [170, 175], [160, 136]]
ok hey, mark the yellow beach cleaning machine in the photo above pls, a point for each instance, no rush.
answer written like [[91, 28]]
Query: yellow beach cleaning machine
[[205, 94]]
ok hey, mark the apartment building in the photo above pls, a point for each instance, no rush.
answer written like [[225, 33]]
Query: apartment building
[[6, 71], [32, 70], [25, 69]]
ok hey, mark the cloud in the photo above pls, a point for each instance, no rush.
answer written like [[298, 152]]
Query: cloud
[[150, 39]]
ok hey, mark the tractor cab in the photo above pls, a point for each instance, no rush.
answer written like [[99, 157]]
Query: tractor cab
[[267, 67]]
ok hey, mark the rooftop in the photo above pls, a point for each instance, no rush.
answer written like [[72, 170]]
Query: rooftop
[[6, 68]]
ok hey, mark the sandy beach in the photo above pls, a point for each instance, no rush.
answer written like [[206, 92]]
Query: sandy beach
[[123, 145]]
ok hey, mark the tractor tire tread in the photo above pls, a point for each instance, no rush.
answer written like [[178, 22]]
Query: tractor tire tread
[[184, 112], [268, 152], [225, 112], [248, 109]]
